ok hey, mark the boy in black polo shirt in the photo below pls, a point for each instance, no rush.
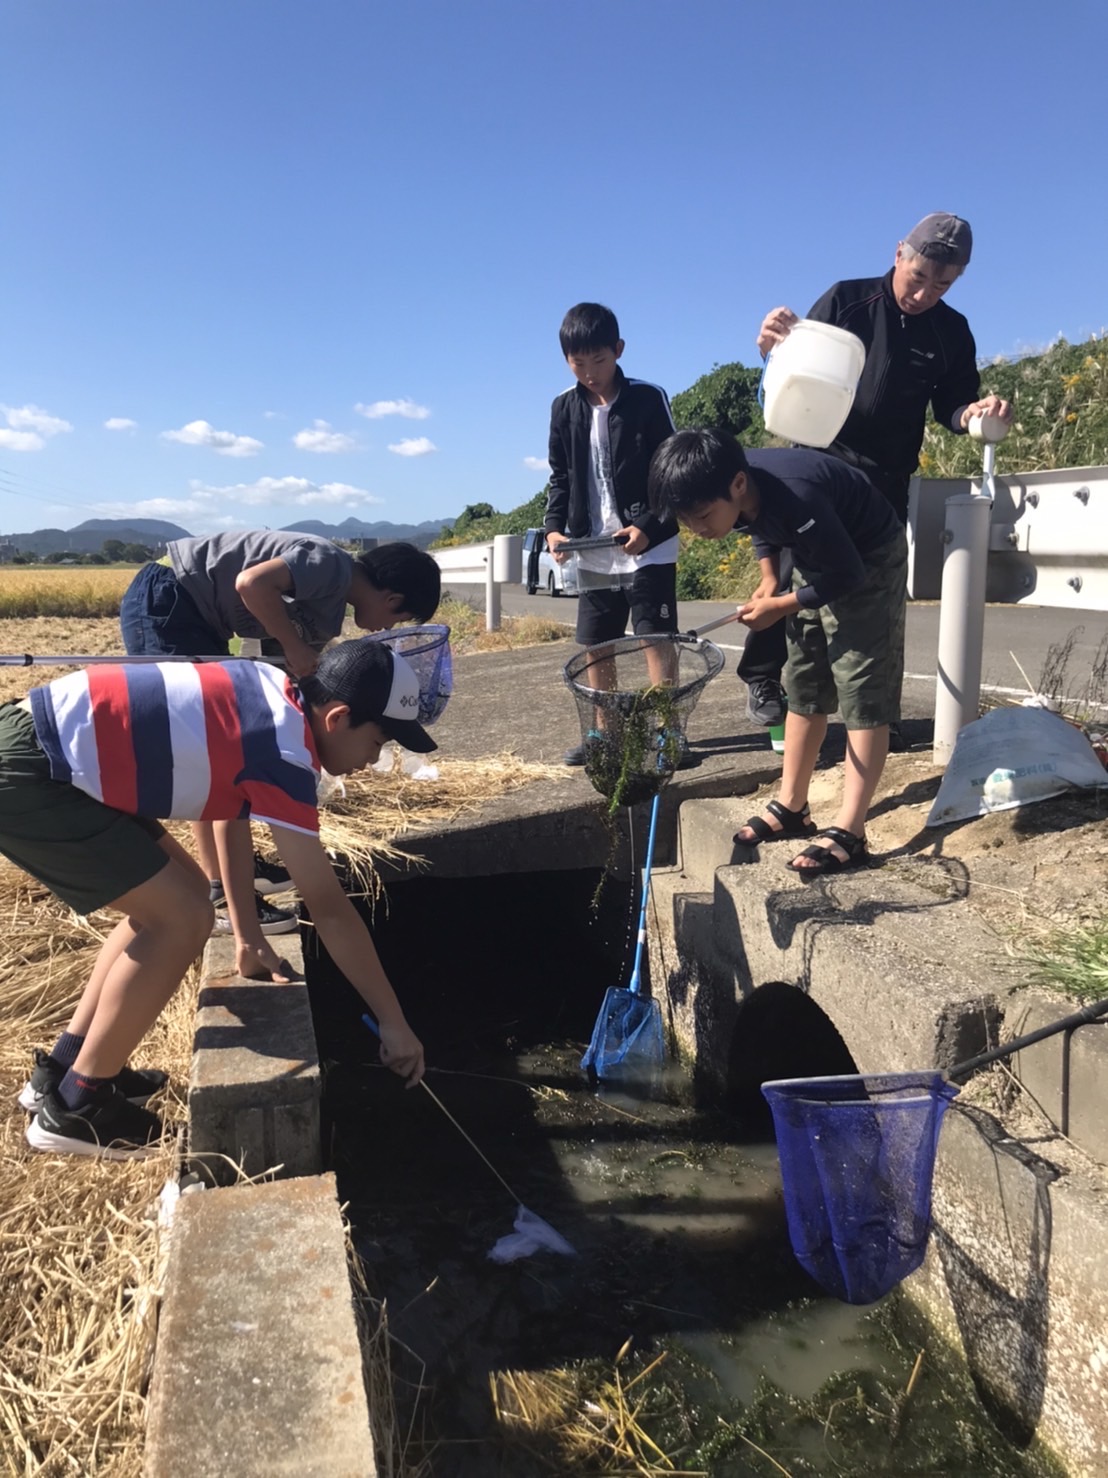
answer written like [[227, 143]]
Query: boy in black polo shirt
[[844, 614], [603, 433]]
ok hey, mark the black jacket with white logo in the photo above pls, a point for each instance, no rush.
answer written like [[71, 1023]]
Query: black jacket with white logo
[[911, 359], [638, 422]]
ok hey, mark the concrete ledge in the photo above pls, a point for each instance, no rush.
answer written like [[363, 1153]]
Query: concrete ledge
[[258, 1365], [254, 1087], [906, 988]]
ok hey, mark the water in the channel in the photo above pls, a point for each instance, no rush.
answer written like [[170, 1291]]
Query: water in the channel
[[674, 1210]]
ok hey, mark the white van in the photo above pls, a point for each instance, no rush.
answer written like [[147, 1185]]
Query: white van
[[541, 571]]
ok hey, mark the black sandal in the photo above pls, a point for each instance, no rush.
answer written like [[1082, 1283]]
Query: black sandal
[[826, 860], [793, 824]]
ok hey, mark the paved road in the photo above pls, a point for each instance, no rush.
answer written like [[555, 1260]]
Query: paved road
[[1013, 634]]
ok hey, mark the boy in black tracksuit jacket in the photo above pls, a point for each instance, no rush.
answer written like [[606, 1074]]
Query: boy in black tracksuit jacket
[[603, 433]]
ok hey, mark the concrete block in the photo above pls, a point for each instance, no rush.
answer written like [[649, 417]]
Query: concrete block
[[258, 1364], [254, 1087], [1065, 1074], [1017, 1273]]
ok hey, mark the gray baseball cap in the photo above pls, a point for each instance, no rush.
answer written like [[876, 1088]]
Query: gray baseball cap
[[942, 238]]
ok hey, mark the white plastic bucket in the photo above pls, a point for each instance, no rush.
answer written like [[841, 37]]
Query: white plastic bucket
[[810, 380]]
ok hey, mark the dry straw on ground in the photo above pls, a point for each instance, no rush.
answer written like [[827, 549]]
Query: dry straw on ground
[[79, 1248]]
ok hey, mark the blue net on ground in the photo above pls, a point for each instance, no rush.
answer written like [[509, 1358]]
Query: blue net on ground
[[628, 1034], [857, 1155], [426, 649]]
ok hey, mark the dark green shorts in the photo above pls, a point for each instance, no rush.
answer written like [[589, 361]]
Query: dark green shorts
[[87, 853], [849, 654]]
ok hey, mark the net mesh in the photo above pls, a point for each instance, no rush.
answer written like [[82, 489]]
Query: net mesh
[[634, 698], [426, 649], [857, 1155], [628, 1036]]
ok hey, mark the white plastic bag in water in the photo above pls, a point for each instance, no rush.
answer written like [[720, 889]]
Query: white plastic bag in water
[[531, 1235], [1013, 757]]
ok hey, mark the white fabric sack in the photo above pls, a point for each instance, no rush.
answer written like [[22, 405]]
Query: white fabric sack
[[1013, 757]]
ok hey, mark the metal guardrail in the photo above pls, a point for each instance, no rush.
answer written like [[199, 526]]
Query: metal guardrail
[[1048, 537], [492, 565]]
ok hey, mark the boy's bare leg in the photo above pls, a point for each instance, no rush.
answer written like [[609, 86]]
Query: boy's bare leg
[[661, 664], [120, 938], [255, 957], [203, 833], [167, 920], [866, 752], [804, 736]]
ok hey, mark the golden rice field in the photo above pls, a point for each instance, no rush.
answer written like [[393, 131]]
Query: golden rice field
[[83, 591]]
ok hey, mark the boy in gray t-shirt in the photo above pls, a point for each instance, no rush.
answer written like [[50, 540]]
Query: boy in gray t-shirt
[[291, 592]]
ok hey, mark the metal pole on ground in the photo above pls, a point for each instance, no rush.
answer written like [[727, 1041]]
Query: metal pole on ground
[[962, 606]]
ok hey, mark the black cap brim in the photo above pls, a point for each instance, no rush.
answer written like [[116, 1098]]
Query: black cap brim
[[407, 732]]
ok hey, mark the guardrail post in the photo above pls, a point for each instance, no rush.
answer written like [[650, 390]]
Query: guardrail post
[[492, 594], [962, 603]]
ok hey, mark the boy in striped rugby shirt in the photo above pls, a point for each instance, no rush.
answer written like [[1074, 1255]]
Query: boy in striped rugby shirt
[[90, 764]]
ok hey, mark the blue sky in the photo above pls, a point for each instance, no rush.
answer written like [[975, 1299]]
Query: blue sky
[[266, 260]]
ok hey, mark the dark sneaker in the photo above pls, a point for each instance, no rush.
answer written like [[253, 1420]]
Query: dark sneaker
[[675, 748], [765, 702], [109, 1127], [273, 920], [270, 877], [579, 753], [135, 1083], [897, 742]]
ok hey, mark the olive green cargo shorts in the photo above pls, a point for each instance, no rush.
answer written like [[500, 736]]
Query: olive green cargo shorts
[[87, 853], [848, 655]]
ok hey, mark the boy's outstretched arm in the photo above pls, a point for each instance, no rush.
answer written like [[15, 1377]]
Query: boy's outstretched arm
[[350, 946], [262, 588]]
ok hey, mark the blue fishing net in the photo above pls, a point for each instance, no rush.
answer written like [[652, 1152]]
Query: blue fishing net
[[857, 1155], [628, 1036], [426, 649]]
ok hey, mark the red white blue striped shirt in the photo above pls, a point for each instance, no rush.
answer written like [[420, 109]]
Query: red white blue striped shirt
[[205, 741]]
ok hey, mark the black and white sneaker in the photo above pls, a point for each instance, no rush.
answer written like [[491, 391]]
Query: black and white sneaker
[[109, 1127], [137, 1084], [765, 702], [270, 877], [272, 920]]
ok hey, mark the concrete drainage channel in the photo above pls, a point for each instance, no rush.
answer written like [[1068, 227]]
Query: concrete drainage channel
[[259, 1364]]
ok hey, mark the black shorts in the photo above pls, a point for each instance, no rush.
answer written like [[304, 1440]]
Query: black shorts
[[649, 599]]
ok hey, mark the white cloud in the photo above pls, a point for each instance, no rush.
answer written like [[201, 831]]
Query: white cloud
[[291, 492], [536, 464], [226, 443], [413, 446], [29, 427], [119, 423], [20, 441], [322, 439], [381, 408]]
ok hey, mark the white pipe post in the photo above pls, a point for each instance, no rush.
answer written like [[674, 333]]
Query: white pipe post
[[962, 605]]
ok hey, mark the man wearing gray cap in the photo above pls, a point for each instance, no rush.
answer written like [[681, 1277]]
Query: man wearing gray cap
[[919, 352]]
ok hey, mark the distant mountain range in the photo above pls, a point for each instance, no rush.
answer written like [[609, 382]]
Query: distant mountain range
[[89, 537]]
